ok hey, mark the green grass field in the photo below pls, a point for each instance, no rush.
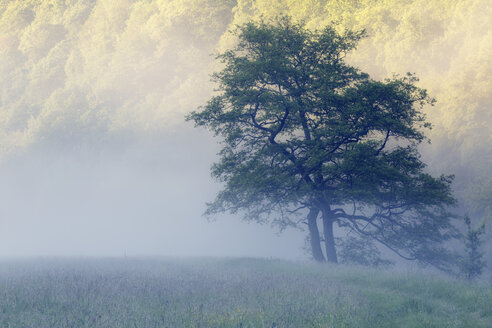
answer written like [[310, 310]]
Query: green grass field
[[231, 293]]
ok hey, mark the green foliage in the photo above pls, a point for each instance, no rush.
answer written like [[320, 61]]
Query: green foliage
[[302, 129], [472, 264]]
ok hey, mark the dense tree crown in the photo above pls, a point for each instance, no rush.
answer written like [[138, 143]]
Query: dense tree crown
[[305, 134]]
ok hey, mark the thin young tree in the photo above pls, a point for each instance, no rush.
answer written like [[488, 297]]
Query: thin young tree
[[472, 263]]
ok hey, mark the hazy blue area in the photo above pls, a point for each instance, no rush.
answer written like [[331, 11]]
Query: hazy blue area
[[145, 199]]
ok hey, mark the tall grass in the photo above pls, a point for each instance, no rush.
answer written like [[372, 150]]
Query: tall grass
[[230, 293]]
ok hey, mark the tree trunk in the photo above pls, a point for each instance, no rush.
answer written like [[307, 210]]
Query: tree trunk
[[331, 252], [314, 235]]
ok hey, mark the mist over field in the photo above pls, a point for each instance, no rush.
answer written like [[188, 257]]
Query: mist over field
[[95, 156]]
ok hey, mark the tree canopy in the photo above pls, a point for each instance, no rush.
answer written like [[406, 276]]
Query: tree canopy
[[307, 135]]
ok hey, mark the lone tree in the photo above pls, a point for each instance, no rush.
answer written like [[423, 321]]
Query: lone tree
[[306, 135]]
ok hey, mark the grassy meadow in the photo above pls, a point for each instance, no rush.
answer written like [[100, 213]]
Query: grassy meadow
[[139, 292]]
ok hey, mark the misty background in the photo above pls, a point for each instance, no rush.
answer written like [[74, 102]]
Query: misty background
[[97, 160]]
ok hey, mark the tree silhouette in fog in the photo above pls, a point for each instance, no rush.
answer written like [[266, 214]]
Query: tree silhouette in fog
[[307, 138]]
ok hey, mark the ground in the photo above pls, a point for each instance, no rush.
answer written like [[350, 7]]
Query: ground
[[153, 292]]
